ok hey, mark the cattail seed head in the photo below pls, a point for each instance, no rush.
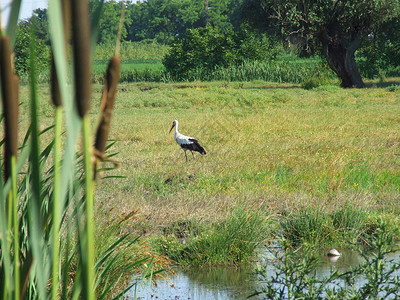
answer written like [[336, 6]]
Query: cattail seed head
[[55, 89], [107, 103], [81, 50], [9, 86]]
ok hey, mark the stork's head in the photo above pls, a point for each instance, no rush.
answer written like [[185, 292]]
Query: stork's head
[[175, 123]]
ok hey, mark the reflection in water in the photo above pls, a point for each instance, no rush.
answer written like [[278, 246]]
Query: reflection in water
[[215, 283], [233, 283]]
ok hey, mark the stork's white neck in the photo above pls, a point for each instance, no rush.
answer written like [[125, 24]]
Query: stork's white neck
[[176, 129]]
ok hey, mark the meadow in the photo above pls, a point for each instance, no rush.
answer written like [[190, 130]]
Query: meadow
[[318, 166]]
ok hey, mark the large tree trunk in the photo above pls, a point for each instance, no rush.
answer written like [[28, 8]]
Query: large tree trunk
[[341, 59]]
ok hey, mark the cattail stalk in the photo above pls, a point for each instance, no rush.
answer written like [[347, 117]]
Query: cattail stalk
[[9, 86], [81, 50]]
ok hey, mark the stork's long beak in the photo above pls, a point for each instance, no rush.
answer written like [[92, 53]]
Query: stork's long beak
[[173, 125]]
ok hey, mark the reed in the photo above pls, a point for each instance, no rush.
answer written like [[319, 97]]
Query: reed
[[48, 187]]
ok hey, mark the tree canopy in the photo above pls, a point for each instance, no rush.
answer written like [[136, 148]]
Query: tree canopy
[[338, 26]]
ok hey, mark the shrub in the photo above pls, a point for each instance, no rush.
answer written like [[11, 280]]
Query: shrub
[[205, 49]]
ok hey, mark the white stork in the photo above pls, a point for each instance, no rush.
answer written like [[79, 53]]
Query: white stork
[[186, 142]]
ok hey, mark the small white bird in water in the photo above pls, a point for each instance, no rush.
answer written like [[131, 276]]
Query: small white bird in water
[[334, 252], [186, 142]]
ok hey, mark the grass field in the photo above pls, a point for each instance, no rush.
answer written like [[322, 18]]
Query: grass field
[[274, 149]]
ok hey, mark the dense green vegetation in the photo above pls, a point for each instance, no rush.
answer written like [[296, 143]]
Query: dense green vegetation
[[176, 32]]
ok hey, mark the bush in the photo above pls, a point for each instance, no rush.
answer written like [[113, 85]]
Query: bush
[[205, 49]]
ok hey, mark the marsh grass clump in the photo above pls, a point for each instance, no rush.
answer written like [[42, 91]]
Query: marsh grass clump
[[349, 224], [231, 241], [307, 226]]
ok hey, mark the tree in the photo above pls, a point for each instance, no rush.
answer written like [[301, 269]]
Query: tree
[[202, 49], [381, 51], [339, 26], [26, 41], [110, 20], [39, 23]]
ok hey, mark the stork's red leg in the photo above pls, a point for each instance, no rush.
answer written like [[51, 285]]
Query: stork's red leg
[[193, 154], [186, 156]]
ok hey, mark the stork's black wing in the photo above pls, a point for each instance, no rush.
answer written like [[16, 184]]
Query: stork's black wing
[[194, 146]]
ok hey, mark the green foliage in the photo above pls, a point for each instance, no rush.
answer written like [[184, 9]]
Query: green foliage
[[381, 51], [22, 50], [206, 49], [270, 71], [202, 49], [316, 18], [109, 22], [253, 45], [162, 20], [337, 26], [132, 51]]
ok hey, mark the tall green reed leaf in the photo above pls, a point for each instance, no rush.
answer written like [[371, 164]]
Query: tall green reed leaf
[[72, 120], [13, 20], [36, 221], [57, 101]]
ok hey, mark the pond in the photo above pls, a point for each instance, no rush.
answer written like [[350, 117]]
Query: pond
[[229, 282]]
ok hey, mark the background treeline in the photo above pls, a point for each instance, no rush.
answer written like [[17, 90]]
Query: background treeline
[[164, 40]]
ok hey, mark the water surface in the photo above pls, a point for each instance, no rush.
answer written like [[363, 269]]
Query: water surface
[[232, 283]]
